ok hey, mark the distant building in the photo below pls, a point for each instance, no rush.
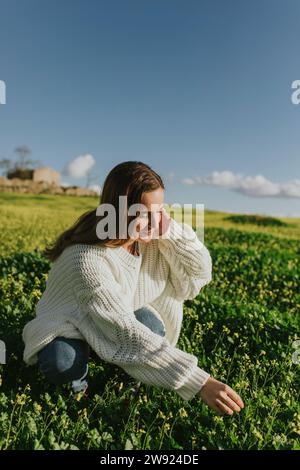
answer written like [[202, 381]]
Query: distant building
[[46, 174]]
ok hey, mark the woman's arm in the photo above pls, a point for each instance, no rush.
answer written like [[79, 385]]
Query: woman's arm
[[189, 259], [119, 338]]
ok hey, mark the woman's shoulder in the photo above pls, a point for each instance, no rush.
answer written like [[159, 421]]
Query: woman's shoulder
[[83, 251], [82, 255], [87, 262]]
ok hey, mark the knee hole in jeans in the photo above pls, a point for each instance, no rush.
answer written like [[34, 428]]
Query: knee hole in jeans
[[63, 360], [148, 318]]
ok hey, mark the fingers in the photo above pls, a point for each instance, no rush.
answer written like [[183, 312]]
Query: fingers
[[223, 407], [235, 397], [221, 398], [230, 403], [164, 222]]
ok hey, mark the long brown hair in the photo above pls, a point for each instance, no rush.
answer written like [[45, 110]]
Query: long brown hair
[[131, 179]]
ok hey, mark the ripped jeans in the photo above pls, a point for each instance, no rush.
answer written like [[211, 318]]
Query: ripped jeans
[[65, 360]]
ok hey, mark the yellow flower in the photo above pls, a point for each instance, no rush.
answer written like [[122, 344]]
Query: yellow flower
[[83, 413], [218, 419], [257, 434], [37, 407], [78, 396], [225, 329], [166, 426], [21, 399], [183, 413]]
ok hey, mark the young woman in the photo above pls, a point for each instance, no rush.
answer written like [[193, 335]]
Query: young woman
[[123, 296]]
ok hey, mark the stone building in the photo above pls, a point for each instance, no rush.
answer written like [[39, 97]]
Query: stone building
[[43, 174], [47, 175], [41, 180]]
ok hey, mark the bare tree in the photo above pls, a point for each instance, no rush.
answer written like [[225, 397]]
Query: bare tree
[[23, 152]]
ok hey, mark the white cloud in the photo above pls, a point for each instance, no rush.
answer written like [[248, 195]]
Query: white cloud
[[188, 181], [170, 176], [96, 188], [80, 166], [254, 186]]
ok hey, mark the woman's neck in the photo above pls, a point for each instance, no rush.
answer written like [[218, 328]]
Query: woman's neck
[[132, 248], [136, 249]]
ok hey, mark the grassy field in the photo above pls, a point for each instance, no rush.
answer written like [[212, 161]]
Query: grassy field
[[241, 327]]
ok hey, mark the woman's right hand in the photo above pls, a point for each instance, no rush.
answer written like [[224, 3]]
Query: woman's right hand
[[220, 397]]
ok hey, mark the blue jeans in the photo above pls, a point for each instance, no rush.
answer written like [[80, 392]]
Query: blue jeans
[[65, 360]]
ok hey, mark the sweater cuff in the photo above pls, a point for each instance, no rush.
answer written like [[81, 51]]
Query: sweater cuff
[[193, 385]]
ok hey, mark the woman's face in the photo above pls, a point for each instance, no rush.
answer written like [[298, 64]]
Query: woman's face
[[150, 219]]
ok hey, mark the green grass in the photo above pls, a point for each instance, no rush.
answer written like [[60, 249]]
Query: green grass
[[259, 220], [241, 327]]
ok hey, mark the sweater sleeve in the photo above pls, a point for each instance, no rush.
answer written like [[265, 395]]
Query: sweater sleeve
[[189, 260], [123, 340]]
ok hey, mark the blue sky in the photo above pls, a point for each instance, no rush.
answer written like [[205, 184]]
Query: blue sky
[[193, 88]]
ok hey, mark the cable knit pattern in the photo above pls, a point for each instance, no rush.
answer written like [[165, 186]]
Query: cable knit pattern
[[92, 292]]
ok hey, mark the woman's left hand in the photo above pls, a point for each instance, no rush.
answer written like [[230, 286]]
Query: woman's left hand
[[160, 227]]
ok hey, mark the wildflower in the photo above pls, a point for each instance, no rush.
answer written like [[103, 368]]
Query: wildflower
[[21, 399], [145, 398], [37, 407], [218, 419], [78, 396], [279, 439], [83, 413], [166, 427], [182, 413], [225, 329], [257, 434], [296, 424]]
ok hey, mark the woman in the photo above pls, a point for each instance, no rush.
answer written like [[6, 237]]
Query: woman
[[123, 296]]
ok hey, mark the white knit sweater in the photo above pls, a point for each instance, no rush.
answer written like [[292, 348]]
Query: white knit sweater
[[92, 291]]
